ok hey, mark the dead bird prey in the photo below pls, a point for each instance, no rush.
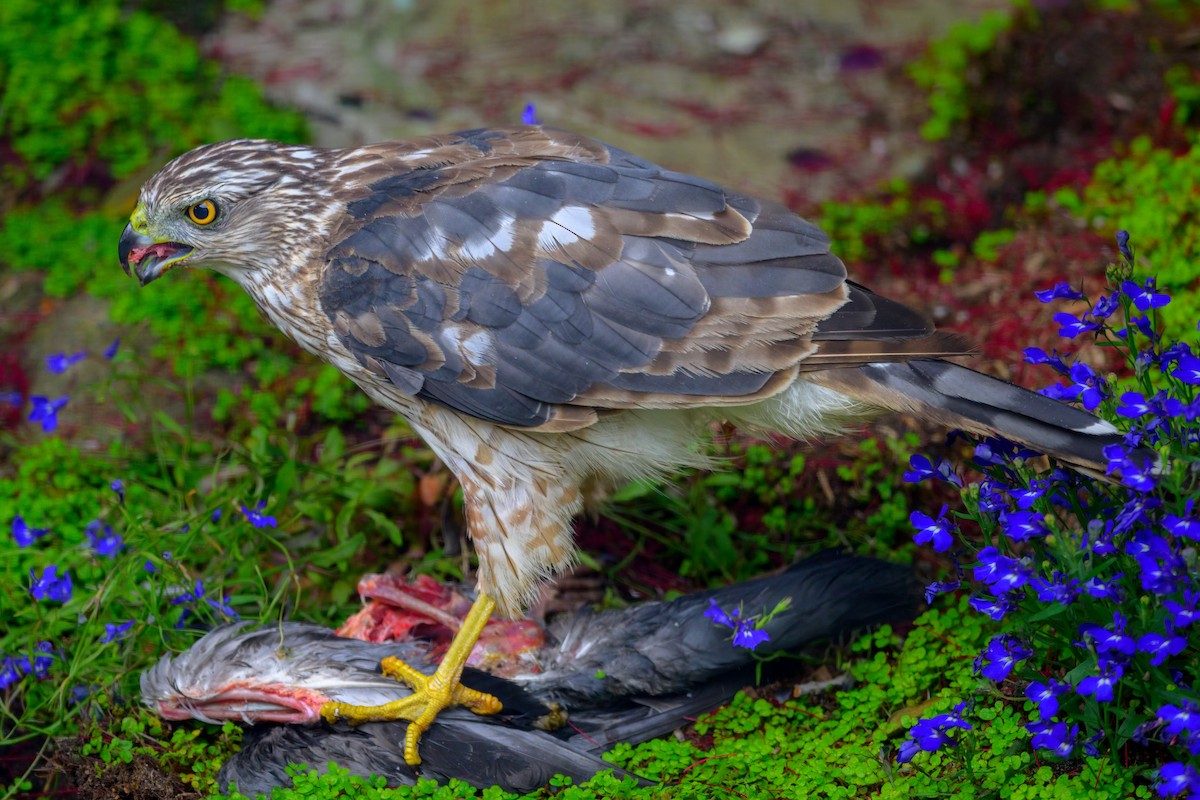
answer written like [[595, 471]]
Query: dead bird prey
[[555, 316], [624, 676]]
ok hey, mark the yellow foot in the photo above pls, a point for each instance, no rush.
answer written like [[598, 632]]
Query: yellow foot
[[431, 693]]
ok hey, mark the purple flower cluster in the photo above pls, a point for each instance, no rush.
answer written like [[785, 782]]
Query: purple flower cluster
[[54, 584], [1101, 576]]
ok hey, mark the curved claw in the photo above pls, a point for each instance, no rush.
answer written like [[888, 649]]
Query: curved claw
[[431, 693]]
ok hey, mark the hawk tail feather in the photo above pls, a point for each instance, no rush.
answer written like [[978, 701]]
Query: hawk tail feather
[[962, 398]]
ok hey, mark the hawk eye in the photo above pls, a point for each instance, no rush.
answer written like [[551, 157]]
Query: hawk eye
[[202, 213]]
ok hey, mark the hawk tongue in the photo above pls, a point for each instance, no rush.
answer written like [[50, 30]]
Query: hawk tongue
[[162, 250]]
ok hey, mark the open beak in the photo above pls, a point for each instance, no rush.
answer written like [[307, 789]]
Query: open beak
[[148, 258]]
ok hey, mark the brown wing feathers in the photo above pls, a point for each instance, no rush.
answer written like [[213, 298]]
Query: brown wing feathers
[[527, 277]]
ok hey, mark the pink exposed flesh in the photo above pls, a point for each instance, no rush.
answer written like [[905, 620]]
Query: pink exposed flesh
[[429, 610], [162, 250], [235, 702]]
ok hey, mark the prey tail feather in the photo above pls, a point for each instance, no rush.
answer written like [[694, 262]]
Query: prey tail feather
[[962, 398]]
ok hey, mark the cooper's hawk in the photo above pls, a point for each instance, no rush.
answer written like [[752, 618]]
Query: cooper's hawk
[[556, 316]]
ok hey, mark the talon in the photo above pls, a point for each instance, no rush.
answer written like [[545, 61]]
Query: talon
[[431, 693]]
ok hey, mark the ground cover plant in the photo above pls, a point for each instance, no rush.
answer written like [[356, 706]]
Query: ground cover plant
[[243, 483], [1093, 582]]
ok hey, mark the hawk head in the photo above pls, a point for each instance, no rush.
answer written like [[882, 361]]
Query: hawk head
[[237, 207]]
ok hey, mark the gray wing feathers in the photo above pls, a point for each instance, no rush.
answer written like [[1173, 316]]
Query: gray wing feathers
[[515, 292]]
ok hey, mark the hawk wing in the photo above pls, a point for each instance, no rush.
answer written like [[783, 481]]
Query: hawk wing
[[531, 277]]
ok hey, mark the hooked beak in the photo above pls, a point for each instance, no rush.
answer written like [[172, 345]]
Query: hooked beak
[[149, 259]]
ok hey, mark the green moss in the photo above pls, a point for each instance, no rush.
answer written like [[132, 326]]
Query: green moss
[[122, 89], [1154, 193], [892, 220], [945, 69]]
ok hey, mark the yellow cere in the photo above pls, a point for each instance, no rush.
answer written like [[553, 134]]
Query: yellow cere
[[137, 220]]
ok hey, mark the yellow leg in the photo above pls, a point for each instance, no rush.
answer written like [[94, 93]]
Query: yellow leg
[[431, 693]]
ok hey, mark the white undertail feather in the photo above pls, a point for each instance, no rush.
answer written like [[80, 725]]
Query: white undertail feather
[[804, 411]]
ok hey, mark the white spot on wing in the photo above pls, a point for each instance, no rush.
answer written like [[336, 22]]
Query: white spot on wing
[[477, 347], [483, 246], [569, 225]]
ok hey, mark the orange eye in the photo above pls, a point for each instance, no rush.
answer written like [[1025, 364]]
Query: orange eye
[[203, 213]]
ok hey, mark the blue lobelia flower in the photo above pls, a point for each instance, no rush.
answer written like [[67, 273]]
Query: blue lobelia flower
[[746, 632], [10, 671], [1160, 647], [1137, 471], [1057, 589], [46, 411], [1021, 526], [1145, 296], [1180, 718], [992, 498], [1176, 778], [1186, 370], [1055, 737], [749, 637], [51, 587], [257, 518], [1045, 696], [1123, 245], [110, 352], [940, 587], [1181, 615], [1101, 589], [1036, 355], [1059, 291], [24, 535], [1001, 655], [932, 734], [1133, 405], [938, 531], [43, 659], [1029, 495], [114, 632], [994, 608], [59, 363], [1110, 641], [1146, 328], [1161, 575], [1101, 686], [1001, 572], [922, 468], [529, 115], [1071, 326], [103, 539], [1105, 306]]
